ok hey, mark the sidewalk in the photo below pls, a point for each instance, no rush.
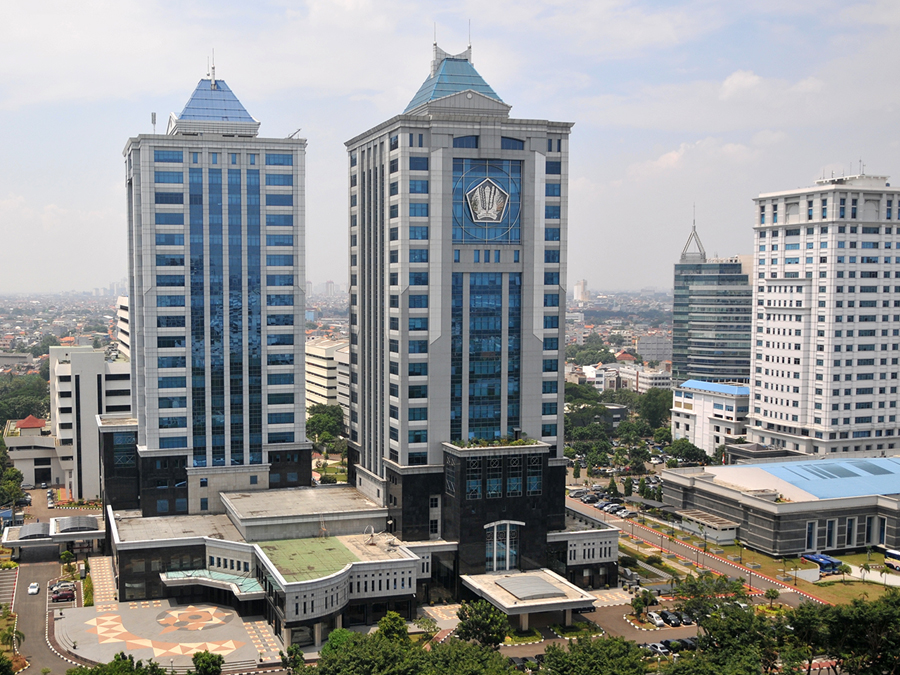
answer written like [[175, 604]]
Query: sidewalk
[[889, 578]]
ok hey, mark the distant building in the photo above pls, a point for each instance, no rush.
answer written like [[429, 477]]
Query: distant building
[[322, 371], [33, 451], [642, 380], [712, 314], [13, 359], [581, 294], [342, 356], [710, 414], [123, 326], [655, 347]]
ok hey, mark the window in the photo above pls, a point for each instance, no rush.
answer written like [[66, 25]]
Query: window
[[418, 391], [418, 278], [279, 200], [279, 160], [279, 240], [551, 211], [170, 177], [551, 321], [418, 323], [418, 232], [418, 163], [417, 414], [554, 168], [507, 143], [279, 219], [465, 142], [204, 503], [417, 187], [418, 301], [280, 378], [279, 300], [551, 234], [551, 366], [418, 210], [169, 239], [551, 299], [417, 369], [168, 156], [170, 280], [548, 408], [279, 179], [418, 346], [551, 278], [418, 436], [169, 198], [551, 344], [279, 280], [549, 387], [552, 189], [551, 255], [280, 260]]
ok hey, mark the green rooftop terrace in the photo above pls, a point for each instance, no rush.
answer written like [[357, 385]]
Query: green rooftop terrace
[[306, 559]]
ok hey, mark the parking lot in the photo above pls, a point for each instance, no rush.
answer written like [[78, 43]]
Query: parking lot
[[8, 586]]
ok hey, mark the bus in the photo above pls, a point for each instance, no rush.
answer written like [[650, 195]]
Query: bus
[[826, 564], [892, 559]]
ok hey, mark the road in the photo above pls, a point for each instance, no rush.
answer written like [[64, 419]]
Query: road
[[732, 570]]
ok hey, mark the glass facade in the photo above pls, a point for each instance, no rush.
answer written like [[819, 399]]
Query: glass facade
[[467, 175]]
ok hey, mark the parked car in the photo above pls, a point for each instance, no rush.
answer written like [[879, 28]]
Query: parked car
[[27, 486], [34, 589], [63, 595], [673, 646], [43, 486], [658, 648], [590, 499], [688, 644], [626, 513], [60, 585], [671, 618], [577, 494], [655, 619], [686, 619]]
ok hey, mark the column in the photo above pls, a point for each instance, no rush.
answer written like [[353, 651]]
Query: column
[[317, 633], [523, 622], [568, 617]]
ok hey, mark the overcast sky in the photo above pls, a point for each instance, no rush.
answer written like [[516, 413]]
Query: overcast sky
[[673, 103]]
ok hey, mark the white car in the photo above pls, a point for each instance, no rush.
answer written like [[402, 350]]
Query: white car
[[34, 589], [656, 619]]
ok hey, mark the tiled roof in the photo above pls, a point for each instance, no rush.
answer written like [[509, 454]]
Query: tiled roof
[[452, 77], [31, 422]]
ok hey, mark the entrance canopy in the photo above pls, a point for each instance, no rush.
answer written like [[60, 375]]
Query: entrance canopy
[[517, 592]]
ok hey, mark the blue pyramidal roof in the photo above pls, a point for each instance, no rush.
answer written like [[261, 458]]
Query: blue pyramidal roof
[[215, 104], [453, 75]]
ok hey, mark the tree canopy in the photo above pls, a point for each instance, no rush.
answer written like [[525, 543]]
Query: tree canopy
[[482, 622], [324, 421]]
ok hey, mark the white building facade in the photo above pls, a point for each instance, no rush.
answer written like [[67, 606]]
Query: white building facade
[[709, 414], [826, 328]]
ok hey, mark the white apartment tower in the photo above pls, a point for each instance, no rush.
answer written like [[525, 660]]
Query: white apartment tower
[[826, 327], [458, 229], [216, 268]]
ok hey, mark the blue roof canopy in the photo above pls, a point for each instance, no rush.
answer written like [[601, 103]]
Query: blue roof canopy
[[453, 76], [835, 478], [215, 104], [716, 387]]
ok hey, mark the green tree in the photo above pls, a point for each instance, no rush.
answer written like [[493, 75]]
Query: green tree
[[392, 627], [597, 656], [772, 595], [427, 625], [642, 487], [336, 640], [844, 569], [581, 393], [206, 663], [293, 662], [482, 622], [686, 451], [44, 370], [662, 435], [612, 489], [122, 664], [324, 419], [654, 406], [576, 470], [458, 657], [628, 486], [43, 347], [12, 637], [702, 594]]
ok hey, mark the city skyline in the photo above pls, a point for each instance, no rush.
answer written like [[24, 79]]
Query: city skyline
[[670, 124]]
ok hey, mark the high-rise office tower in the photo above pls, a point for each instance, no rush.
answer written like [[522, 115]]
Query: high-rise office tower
[[216, 267], [826, 322], [711, 316], [458, 220]]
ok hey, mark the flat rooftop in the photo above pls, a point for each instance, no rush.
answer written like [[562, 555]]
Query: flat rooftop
[[517, 592], [811, 480], [133, 527], [298, 502]]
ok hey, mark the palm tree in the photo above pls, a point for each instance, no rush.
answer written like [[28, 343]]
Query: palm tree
[[864, 569], [883, 572], [844, 568], [12, 637], [772, 595]]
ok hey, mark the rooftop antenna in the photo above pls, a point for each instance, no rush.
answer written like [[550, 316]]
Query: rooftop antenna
[[294, 135], [213, 75], [153, 122], [470, 33], [435, 32]]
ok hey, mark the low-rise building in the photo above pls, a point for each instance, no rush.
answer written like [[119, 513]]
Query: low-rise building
[[322, 371], [640, 379], [34, 451], [709, 414]]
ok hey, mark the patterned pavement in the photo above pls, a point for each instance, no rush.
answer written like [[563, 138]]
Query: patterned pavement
[[263, 639], [104, 582]]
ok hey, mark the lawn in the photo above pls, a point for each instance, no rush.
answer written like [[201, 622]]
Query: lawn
[[837, 592], [579, 629], [18, 661], [518, 637]]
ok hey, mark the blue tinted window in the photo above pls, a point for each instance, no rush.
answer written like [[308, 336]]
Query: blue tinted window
[[394, 211], [281, 437], [395, 188], [280, 219], [170, 362], [494, 220], [169, 239], [171, 382], [173, 401], [168, 442], [169, 197], [280, 378], [465, 142], [279, 240], [418, 391], [281, 418], [418, 301], [549, 387], [280, 260], [170, 301], [551, 344], [170, 341], [417, 414], [168, 156], [418, 436], [279, 300], [418, 346], [279, 179], [280, 339], [279, 279], [551, 321], [418, 210], [551, 255], [551, 299], [548, 409], [280, 359], [279, 160], [551, 211], [551, 278], [554, 168], [169, 219], [516, 255], [418, 232], [418, 323], [418, 369], [279, 200], [170, 261], [170, 280], [168, 176], [280, 320], [286, 398], [551, 366], [418, 164], [551, 234], [552, 189], [418, 278], [418, 255], [507, 143], [548, 430], [170, 322], [417, 187]]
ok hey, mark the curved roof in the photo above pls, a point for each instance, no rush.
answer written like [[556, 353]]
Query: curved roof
[[452, 76], [35, 531], [77, 524]]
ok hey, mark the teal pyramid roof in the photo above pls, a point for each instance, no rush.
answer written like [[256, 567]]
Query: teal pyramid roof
[[215, 103], [451, 76]]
